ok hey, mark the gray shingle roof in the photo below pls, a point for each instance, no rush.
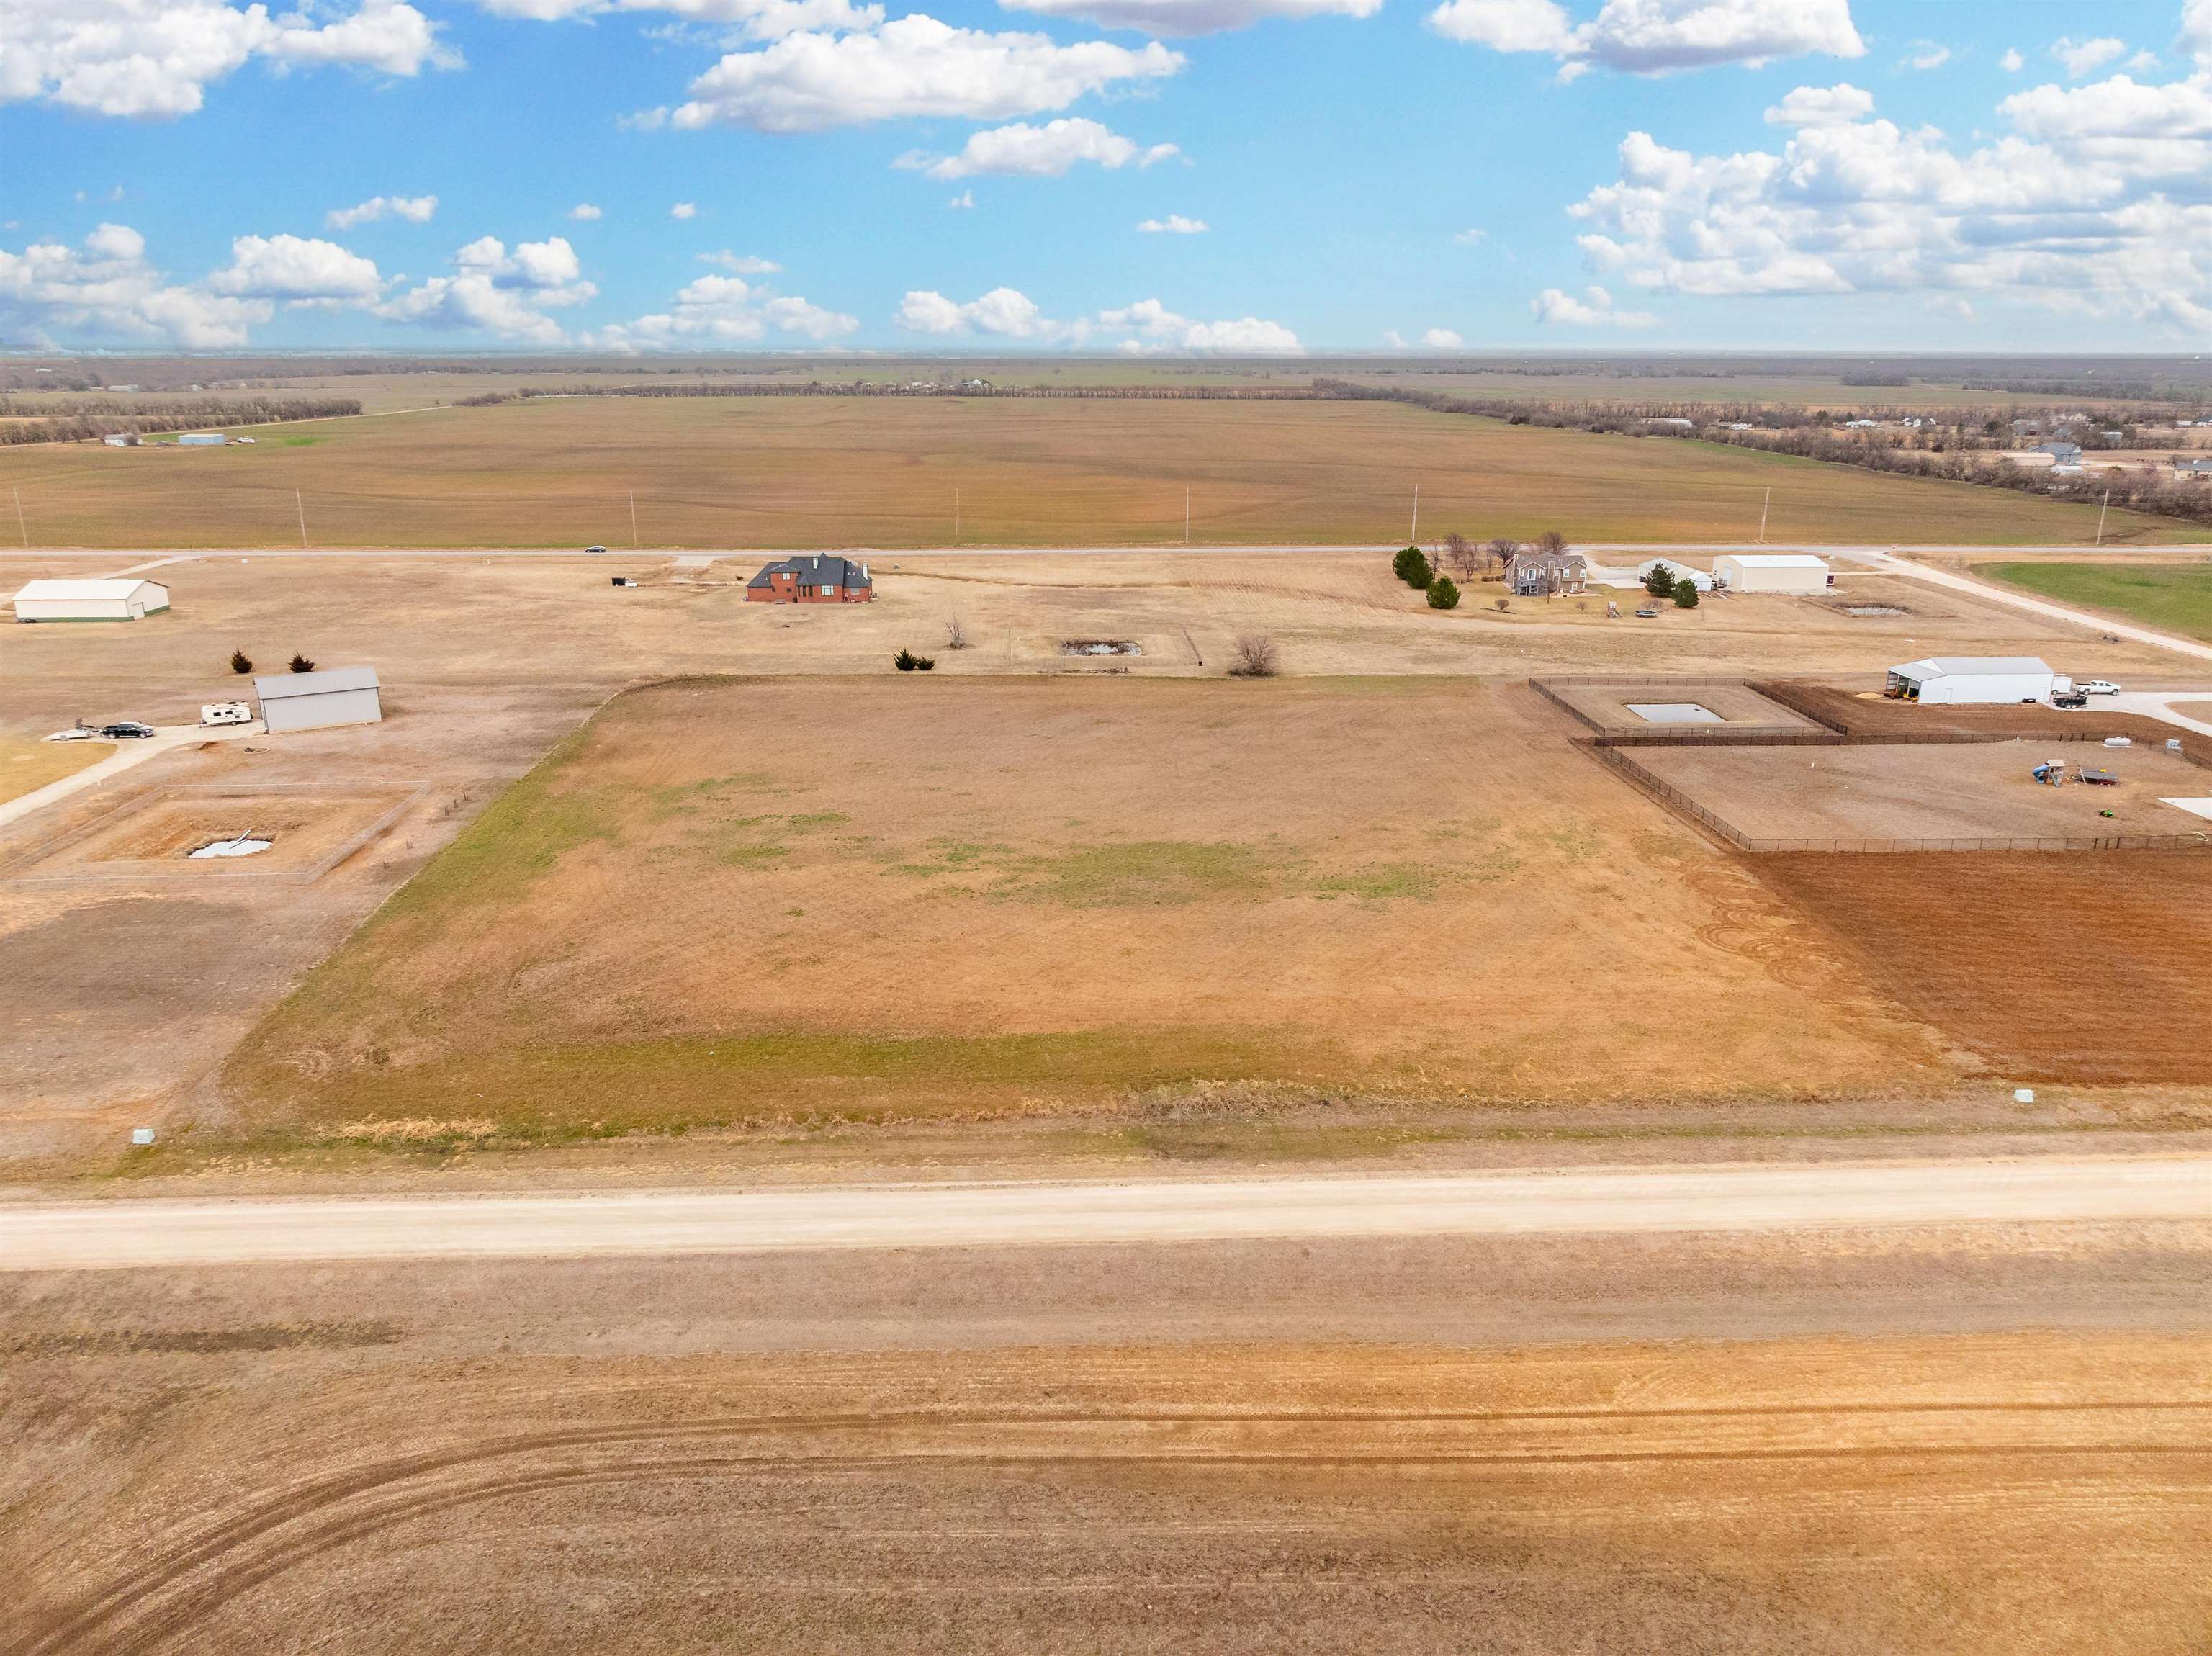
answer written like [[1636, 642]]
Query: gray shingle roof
[[823, 570]]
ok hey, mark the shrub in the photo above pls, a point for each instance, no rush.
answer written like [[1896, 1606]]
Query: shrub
[[1442, 595], [1256, 659], [1685, 594], [1504, 604], [241, 662], [301, 665], [925, 664], [1412, 566], [955, 634], [905, 660]]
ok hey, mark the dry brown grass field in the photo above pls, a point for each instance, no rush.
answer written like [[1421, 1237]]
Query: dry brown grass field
[[886, 472], [759, 899], [468, 1461]]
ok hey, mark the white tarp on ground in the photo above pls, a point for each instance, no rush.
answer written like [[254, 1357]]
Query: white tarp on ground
[[1675, 712], [2196, 807]]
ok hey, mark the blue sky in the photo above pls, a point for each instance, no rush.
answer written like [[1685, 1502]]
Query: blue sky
[[1816, 174]]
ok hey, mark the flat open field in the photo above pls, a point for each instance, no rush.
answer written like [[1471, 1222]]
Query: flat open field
[[1967, 791], [487, 664], [904, 472], [1006, 1451], [2175, 595], [752, 899], [2075, 966]]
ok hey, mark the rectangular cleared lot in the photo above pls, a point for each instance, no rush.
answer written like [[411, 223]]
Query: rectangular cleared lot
[[1952, 792]]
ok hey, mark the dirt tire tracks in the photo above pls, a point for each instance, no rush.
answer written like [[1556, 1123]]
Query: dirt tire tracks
[[160, 1600]]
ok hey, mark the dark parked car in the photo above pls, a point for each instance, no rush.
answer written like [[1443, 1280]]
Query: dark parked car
[[124, 729], [2069, 698]]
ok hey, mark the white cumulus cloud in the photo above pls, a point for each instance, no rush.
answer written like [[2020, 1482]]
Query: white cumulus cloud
[[741, 263], [1175, 224], [1146, 327], [1038, 152], [1656, 37], [105, 290], [155, 59], [584, 212], [724, 310], [684, 209], [1176, 18], [912, 66], [1925, 55], [1551, 306], [2012, 62], [2096, 205], [296, 270], [758, 20], [2085, 57], [416, 209], [1441, 339], [1822, 105], [503, 294]]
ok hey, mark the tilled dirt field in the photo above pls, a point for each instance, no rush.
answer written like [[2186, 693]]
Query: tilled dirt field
[[764, 899], [2075, 966], [555, 1458]]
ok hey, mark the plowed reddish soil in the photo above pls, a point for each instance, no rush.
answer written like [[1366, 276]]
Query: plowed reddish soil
[[2086, 965]]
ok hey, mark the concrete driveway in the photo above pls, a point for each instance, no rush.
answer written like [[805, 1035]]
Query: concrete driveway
[[126, 755]]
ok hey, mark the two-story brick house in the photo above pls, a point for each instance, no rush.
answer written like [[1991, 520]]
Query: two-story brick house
[[812, 579]]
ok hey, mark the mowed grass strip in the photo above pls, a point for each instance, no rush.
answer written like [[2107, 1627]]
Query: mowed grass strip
[[746, 901], [2175, 595], [838, 472]]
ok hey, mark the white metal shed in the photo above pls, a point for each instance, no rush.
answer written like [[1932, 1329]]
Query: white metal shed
[[90, 600], [308, 701], [1949, 681], [1697, 578], [1771, 572]]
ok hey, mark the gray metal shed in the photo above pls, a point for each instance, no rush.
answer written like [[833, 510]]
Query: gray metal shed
[[308, 701]]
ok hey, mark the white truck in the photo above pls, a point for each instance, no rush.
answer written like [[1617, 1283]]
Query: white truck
[[226, 713]]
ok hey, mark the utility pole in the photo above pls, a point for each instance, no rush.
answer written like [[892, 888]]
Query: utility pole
[[1763, 505], [956, 517], [303, 507], [21, 528], [1413, 535], [1186, 522], [2101, 514], [632, 520]]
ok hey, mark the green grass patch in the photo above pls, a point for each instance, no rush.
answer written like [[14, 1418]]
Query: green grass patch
[[557, 1094], [1379, 881], [2175, 595], [1149, 874], [299, 442]]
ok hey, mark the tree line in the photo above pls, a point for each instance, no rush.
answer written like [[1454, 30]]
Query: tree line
[[95, 417]]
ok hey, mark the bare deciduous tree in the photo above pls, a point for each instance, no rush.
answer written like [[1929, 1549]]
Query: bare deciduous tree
[[1551, 543], [1501, 550], [956, 636], [1255, 658], [1459, 554]]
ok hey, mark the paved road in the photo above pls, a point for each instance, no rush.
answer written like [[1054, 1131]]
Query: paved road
[[2044, 607], [39, 1236], [763, 552]]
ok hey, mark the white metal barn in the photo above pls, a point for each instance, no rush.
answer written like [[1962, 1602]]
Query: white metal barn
[[90, 600], [1771, 572], [308, 701], [1949, 680]]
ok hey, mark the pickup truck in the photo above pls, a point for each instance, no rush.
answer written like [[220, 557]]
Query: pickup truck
[[2096, 687], [2068, 699]]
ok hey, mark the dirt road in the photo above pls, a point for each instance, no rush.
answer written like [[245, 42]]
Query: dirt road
[[113, 1234]]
